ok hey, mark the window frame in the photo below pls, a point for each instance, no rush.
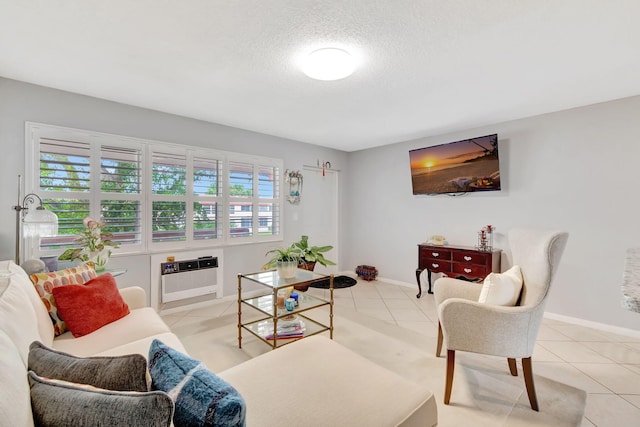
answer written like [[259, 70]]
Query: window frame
[[35, 131], [255, 199]]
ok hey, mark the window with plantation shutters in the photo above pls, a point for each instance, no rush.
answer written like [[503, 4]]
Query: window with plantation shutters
[[65, 166], [268, 200], [207, 192], [169, 202], [72, 188], [65, 182], [121, 192], [253, 200], [152, 195], [240, 199]]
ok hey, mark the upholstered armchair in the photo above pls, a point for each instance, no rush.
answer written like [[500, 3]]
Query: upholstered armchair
[[467, 325]]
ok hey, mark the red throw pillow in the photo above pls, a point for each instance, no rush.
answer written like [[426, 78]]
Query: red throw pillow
[[85, 308]]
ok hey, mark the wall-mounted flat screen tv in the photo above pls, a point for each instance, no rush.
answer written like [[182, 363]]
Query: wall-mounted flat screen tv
[[456, 167]]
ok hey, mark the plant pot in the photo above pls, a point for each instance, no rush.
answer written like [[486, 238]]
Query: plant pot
[[100, 259], [307, 265], [51, 262], [287, 269]]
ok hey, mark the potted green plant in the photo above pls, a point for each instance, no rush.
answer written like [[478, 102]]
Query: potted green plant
[[309, 255], [95, 244], [285, 260]]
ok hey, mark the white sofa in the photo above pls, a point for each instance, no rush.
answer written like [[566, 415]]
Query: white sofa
[[329, 385]]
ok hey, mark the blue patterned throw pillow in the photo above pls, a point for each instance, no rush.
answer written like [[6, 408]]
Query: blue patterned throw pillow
[[201, 398]]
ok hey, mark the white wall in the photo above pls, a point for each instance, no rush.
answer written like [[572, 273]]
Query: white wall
[[20, 102], [576, 170]]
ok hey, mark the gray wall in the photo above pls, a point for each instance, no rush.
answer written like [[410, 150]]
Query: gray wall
[[20, 102], [575, 170]]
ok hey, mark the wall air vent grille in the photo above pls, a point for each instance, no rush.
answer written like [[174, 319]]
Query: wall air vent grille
[[189, 278]]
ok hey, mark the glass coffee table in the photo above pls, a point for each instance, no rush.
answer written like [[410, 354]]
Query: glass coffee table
[[289, 326]]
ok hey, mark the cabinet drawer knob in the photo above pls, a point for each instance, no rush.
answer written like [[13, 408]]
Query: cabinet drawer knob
[[467, 258], [435, 254], [467, 270], [435, 265]]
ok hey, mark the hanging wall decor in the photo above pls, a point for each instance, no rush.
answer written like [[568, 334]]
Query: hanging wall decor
[[294, 179], [324, 165]]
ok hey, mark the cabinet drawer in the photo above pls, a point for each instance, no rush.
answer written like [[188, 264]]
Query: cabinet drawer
[[437, 266], [470, 271], [470, 257], [436, 254]]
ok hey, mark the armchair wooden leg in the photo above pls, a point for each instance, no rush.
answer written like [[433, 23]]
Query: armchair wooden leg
[[451, 361], [528, 381], [512, 366], [439, 347]]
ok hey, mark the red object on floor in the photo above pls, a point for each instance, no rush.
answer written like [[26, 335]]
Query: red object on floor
[[367, 272]]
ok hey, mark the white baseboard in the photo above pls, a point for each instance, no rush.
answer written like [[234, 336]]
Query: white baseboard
[[554, 316], [573, 320], [594, 325]]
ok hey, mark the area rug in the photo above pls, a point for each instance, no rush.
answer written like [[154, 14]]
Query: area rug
[[484, 393], [339, 282]]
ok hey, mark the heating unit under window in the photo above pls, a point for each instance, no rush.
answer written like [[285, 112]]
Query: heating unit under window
[[191, 278]]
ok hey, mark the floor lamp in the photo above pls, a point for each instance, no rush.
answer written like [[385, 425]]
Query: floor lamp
[[37, 222]]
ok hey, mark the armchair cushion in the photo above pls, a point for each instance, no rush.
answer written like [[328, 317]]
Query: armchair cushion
[[502, 288]]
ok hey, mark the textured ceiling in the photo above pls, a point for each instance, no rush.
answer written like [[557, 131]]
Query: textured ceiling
[[425, 67]]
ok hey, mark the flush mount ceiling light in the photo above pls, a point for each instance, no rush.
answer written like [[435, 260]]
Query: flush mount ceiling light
[[329, 64]]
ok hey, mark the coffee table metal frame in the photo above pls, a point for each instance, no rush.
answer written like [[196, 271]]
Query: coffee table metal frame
[[267, 304]]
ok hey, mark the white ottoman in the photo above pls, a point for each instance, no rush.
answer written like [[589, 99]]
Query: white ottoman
[[318, 382]]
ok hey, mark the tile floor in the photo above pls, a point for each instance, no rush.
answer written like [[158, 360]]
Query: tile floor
[[606, 365]]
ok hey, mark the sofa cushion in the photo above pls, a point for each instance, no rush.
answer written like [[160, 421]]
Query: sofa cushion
[[45, 325], [201, 398], [143, 345], [45, 282], [502, 288], [5, 278], [124, 373], [15, 402], [61, 403], [86, 308], [139, 324], [18, 319]]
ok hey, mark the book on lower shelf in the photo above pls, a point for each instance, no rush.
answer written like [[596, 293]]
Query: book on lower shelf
[[285, 337], [287, 329]]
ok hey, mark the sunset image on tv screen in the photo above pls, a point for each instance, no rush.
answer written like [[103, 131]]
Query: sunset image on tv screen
[[461, 166]]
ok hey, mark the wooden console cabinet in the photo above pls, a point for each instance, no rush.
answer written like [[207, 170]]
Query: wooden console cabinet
[[456, 261]]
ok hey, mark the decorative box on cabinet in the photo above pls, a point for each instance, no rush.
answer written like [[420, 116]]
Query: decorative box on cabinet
[[456, 261]]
